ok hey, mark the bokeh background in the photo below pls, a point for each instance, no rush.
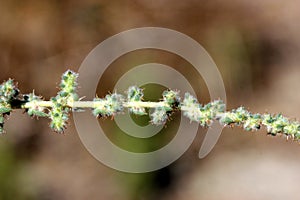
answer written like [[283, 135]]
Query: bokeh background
[[256, 46]]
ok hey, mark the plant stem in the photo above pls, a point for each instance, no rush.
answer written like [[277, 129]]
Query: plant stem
[[93, 104]]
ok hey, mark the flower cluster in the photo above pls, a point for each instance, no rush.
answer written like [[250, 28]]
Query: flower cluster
[[8, 93], [134, 95], [109, 106], [275, 124], [57, 109], [114, 103], [62, 103], [170, 103], [66, 101], [35, 110], [204, 115]]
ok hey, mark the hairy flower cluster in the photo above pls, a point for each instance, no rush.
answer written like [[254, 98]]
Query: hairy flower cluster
[[161, 114], [61, 104], [8, 93], [66, 101], [114, 103], [35, 110], [275, 124], [135, 94], [109, 106], [204, 115]]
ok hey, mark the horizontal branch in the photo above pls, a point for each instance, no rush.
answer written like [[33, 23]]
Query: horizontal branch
[[94, 104], [58, 108]]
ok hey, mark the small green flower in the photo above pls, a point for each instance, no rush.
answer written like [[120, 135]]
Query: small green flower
[[8, 90], [172, 98], [216, 107], [4, 107], [58, 115], [240, 115], [35, 110], [58, 121], [275, 124], [135, 94], [109, 106], [236, 117], [292, 129], [253, 122], [159, 116], [191, 107], [68, 83]]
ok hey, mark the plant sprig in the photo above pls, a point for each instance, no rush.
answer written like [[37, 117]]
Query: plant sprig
[[58, 108]]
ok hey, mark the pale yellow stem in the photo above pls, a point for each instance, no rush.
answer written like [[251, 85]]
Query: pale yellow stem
[[92, 104]]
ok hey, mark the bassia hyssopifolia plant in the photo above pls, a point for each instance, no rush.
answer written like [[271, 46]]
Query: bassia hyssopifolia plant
[[58, 108]]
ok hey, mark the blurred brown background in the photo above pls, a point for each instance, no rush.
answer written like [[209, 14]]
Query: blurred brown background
[[255, 44]]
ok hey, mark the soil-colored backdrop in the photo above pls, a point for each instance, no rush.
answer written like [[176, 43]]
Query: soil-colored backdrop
[[256, 46]]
